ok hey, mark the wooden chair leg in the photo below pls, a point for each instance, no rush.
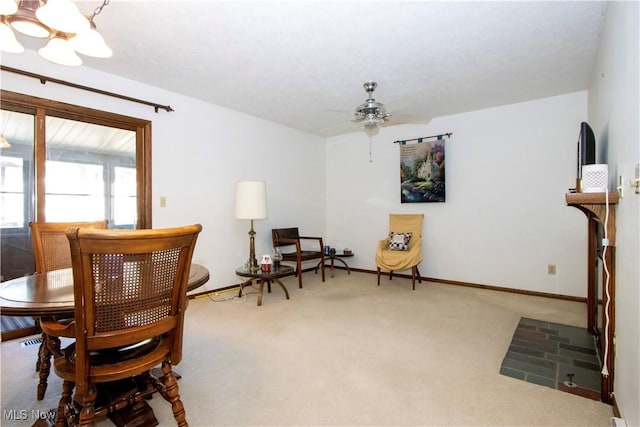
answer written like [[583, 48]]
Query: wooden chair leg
[[65, 401], [413, 278], [419, 275], [378, 276], [171, 394], [88, 411], [300, 274], [390, 274]]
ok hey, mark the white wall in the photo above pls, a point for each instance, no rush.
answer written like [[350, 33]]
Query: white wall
[[199, 153], [508, 169], [614, 115], [505, 217]]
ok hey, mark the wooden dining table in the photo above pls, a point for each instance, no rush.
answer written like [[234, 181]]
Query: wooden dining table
[[51, 294]]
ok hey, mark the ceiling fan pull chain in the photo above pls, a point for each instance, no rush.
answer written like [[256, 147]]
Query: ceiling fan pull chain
[[370, 159]]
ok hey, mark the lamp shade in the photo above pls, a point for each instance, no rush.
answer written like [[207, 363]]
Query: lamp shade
[[251, 200]]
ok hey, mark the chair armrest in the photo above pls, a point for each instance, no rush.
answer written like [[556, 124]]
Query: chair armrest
[[319, 239], [58, 328], [286, 242]]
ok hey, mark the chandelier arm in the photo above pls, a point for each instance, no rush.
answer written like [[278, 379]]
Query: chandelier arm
[[99, 9]]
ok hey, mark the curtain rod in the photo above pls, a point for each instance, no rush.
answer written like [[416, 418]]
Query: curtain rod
[[45, 79], [448, 134]]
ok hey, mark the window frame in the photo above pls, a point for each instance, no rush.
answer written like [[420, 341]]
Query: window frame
[[40, 108]]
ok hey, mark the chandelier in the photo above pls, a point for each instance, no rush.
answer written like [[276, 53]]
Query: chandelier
[[371, 114], [67, 30]]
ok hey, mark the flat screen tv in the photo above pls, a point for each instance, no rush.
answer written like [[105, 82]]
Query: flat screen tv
[[586, 149]]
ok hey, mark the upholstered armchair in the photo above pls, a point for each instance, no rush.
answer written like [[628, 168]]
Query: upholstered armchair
[[402, 249]]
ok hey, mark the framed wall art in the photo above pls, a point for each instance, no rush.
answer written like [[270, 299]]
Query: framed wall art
[[422, 169]]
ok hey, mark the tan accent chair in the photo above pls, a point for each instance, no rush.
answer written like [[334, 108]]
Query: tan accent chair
[[130, 293], [290, 237], [51, 252], [397, 260]]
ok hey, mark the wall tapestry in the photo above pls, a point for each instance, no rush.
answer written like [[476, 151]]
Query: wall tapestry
[[422, 175]]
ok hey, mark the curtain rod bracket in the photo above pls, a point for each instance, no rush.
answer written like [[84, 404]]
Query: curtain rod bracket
[[448, 135], [45, 79]]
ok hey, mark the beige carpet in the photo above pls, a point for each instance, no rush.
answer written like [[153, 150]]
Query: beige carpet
[[349, 353]]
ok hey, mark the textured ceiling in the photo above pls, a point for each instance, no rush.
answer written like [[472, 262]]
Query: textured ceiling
[[303, 63]]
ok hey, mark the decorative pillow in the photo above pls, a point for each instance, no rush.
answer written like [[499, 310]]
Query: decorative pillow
[[399, 241]]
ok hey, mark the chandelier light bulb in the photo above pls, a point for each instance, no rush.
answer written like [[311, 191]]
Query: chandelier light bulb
[[8, 41], [59, 51], [62, 15], [91, 43]]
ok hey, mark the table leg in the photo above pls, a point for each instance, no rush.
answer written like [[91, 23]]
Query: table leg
[[342, 261], [49, 348], [44, 365], [261, 288], [242, 285], [284, 288]]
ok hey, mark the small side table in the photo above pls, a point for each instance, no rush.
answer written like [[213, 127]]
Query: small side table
[[337, 257], [267, 278]]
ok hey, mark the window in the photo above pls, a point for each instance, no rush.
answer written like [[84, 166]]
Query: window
[[68, 163], [74, 191], [12, 196]]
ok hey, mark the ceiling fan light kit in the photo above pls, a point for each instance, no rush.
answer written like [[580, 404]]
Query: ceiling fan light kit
[[60, 21], [371, 115]]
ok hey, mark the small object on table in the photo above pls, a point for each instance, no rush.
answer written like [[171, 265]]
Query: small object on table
[[277, 259]]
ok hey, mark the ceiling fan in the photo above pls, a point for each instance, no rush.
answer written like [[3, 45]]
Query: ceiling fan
[[371, 114]]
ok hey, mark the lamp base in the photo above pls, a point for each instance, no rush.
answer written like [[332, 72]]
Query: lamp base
[[253, 262], [253, 266]]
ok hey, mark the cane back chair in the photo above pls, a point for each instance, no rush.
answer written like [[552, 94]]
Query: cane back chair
[[51, 252], [130, 296]]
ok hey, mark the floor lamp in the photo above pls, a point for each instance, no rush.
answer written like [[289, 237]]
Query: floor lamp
[[251, 203]]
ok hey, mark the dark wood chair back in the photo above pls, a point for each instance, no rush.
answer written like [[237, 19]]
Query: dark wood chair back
[[130, 296], [299, 253]]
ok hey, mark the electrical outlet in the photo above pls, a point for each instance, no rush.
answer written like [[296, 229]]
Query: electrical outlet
[[163, 202], [551, 269]]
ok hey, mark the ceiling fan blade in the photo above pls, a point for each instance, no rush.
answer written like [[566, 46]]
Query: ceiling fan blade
[[339, 129], [403, 119]]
